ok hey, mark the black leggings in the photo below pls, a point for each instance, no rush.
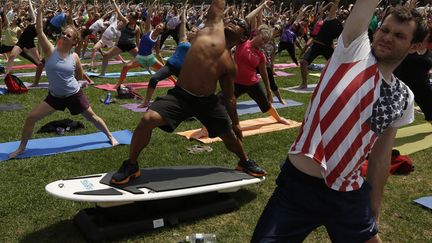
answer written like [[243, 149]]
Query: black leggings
[[273, 85], [5, 49], [290, 49], [162, 74]]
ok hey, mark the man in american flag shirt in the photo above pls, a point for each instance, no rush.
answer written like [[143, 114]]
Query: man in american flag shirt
[[353, 114]]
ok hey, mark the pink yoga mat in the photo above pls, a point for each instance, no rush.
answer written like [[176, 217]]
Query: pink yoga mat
[[284, 65], [281, 74], [29, 66], [24, 66], [143, 85]]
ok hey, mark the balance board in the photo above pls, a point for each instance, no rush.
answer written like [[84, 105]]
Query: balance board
[[153, 184]]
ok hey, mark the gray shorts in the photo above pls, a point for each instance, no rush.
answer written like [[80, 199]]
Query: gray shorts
[[179, 105]]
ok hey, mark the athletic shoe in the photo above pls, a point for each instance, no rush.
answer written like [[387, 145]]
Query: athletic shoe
[[126, 172], [251, 168]]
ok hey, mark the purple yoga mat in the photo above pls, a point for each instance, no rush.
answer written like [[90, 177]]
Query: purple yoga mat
[[134, 107]]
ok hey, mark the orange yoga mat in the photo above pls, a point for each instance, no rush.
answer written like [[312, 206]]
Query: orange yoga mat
[[249, 128]]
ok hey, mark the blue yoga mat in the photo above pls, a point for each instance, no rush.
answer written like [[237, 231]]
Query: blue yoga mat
[[250, 106], [64, 144], [117, 75], [425, 202]]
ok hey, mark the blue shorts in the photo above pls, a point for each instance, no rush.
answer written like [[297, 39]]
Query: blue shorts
[[301, 203]]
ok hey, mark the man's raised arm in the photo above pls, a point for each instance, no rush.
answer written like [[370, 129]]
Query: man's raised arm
[[215, 13], [358, 20]]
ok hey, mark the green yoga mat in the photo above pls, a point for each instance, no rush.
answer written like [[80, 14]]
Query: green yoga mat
[[414, 138]]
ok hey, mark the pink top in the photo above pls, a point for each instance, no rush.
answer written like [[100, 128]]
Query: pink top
[[247, 59]]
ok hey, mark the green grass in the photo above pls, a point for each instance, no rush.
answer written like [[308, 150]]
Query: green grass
[[29, 214]]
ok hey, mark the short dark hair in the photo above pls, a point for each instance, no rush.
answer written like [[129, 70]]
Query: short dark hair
[[405, 14], [243, 24]]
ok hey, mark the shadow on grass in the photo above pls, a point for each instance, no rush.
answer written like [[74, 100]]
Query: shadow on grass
[[62, 231], [66, 230]]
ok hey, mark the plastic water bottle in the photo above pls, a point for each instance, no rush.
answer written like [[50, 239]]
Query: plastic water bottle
[[201, 238], [107, 99]]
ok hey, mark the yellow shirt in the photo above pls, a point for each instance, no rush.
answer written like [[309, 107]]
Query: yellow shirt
[[10, 36]]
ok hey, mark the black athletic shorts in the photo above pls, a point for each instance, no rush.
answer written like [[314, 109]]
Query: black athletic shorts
[[315, 50], [76, 103], [126, 47], [179, 105]]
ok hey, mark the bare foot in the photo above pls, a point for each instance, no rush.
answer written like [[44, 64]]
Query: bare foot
[[199, 134], [113, 141], [284, 121], [144, 105], [16, 153], [282, 101]]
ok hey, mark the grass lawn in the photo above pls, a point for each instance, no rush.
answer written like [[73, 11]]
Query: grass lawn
[[29, 214]]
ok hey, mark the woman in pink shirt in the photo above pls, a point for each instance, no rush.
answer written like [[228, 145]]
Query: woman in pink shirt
[[249, 57]]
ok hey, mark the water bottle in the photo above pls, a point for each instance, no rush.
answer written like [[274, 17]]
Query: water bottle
[[107, 99], [201, 238]]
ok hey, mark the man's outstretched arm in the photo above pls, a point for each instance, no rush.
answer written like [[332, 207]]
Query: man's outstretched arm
[[358, 20], [215, 13]]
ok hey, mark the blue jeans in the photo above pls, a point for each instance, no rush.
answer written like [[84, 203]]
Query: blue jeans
[[301, 203]]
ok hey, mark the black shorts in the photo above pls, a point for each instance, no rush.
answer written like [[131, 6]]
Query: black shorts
[[26, 43], [301, 203], [126, 47], [76, 103], [256, 92], [315, 50], [179, 105]]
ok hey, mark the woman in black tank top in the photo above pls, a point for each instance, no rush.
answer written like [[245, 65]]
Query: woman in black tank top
[[129, 38]]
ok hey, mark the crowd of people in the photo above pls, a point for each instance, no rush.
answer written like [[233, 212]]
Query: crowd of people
[[353, 114]]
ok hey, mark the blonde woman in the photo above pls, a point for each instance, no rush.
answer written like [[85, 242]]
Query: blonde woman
[[63, 68]]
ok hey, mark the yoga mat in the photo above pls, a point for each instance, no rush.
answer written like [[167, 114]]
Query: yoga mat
[[100, 63], [244, 107], [10, 107], [295, 89], [415, 138], [284, 65], [24, 66], [134, 107], [64, 144], [20, 75], [281, 74], [143, 85], [315, 74], [44, 85], [3, 90], [117, 75], [249, 128], [250, 106], [425, 201]]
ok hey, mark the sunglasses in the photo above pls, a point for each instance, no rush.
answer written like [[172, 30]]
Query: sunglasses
[[67, 35], [239, 22]]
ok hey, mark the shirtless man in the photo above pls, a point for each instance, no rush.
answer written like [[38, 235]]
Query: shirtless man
[[194, 95]]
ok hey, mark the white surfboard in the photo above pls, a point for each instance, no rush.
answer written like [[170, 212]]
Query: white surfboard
[[153, 184]]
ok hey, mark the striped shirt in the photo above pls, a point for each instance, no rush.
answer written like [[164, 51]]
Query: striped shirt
[[350, 108]]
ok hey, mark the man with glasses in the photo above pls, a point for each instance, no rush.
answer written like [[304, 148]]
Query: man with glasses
[[207, 61]]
